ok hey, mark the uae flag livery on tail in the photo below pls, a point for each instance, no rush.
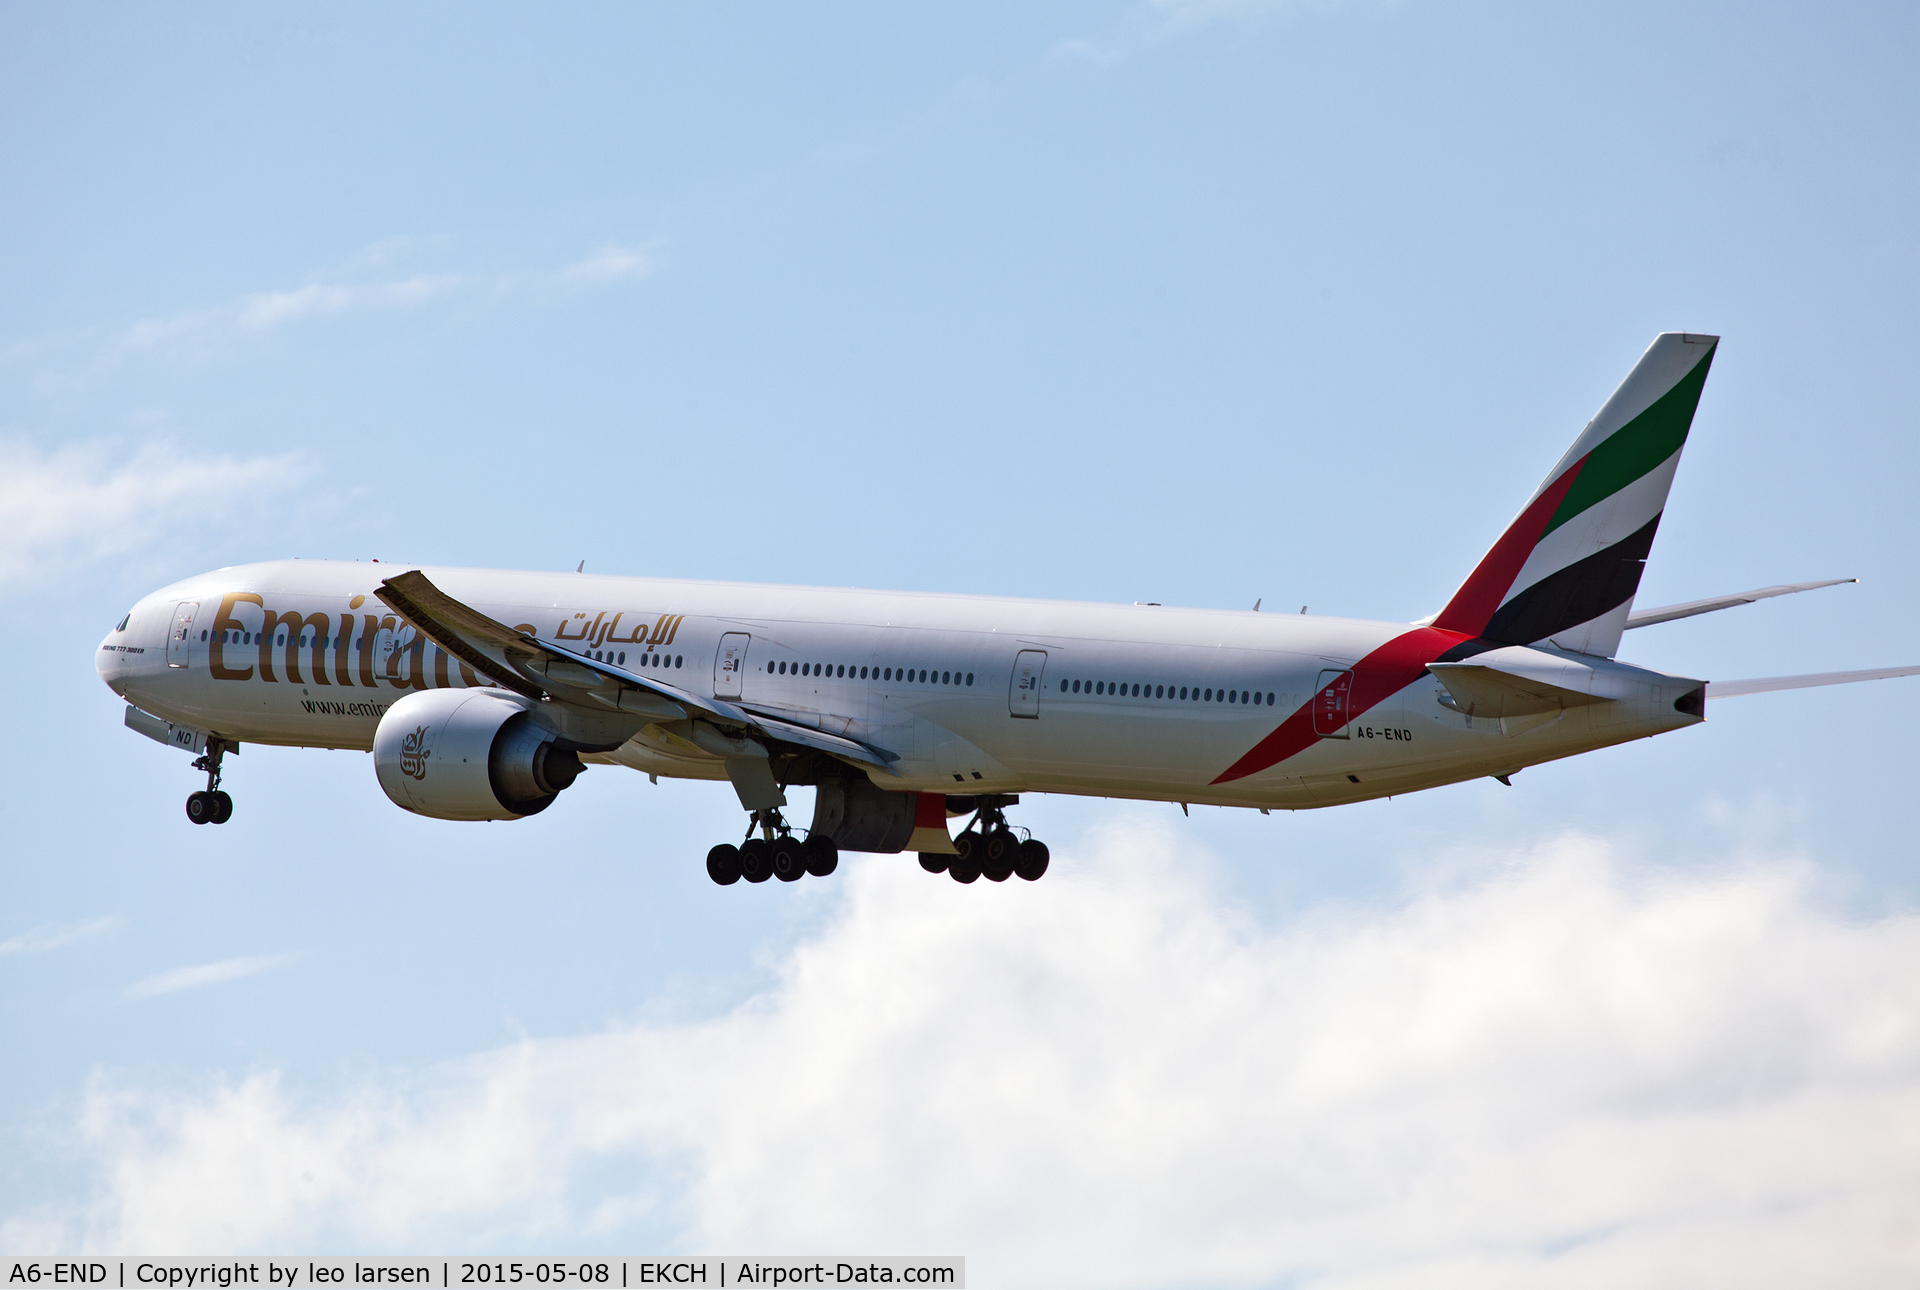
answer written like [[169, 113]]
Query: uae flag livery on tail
[[1566, 570]]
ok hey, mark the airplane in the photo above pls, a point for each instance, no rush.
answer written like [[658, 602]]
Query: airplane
[[483, 694]]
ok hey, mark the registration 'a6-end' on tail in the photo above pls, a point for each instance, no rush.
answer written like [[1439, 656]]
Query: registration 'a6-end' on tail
[[483, 694]]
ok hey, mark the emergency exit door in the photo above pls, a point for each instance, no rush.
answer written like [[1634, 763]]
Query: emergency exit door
[[1023, 695], [730, 664]]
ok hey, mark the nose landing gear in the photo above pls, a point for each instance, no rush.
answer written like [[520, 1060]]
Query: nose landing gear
[[775, 854], [211, 806]]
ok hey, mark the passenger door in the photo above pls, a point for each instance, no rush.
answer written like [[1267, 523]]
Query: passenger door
[[730, 665], [1023, 694], [180, 638], [1331, 704]]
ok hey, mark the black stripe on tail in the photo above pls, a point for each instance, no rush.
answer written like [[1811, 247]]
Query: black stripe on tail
[[1579, 593]]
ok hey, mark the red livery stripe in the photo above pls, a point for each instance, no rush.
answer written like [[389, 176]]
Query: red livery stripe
[[1493, 577], [930, 812], [1380, 675]]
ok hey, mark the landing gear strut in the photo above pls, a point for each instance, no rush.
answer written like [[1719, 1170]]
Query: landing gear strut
[[776, 853], [211, 806], [989, 848]]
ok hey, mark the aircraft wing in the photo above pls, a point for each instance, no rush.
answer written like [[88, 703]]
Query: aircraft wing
[[533, 667], [1766, 684], [1667, 613]]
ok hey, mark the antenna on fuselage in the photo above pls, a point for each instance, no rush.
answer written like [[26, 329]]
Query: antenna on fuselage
[[582, 568], [1256, 606]]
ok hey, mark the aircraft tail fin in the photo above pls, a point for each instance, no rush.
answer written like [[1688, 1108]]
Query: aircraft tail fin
[[1566, 570]]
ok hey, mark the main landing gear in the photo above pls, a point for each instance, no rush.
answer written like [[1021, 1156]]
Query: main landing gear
[[988, 848], [211, 806], [774, 854]]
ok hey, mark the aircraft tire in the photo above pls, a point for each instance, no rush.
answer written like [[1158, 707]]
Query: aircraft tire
[[934, 861], [820, 855], [200, 807], [1000, 869], [222, 807], [756, 860], [1000, 845], [723, 864], [964, 869], [789, 864], [1030, 862]]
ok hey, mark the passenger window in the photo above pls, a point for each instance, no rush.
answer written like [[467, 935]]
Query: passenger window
[[1269, 696], [969, 678], [945, 679], [842, 671]]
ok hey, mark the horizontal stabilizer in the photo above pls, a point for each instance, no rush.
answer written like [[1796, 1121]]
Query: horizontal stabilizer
[[1767, 684], [1492, 694], [1667, 613]]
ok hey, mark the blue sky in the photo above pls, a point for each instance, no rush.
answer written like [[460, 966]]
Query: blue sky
[[1190, 302]]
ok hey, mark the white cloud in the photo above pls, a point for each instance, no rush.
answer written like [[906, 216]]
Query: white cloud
[[1561, 1075], [160, 331], [205, 974], [272, 308], [39, 940], [86, 503], [610, 264]]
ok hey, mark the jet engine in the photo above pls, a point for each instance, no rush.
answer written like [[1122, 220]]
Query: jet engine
[[470, 755]]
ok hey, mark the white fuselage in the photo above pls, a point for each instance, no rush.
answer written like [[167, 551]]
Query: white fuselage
[[1137, 701]]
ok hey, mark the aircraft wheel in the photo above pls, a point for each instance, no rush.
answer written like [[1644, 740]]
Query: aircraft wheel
[[999, 850], [200, 807], [820, 855], [756, 860], [1000, 846], [789, 865], [965, 867], [222, 807], [723, 864], [998, 870], [1031, 860], [934, 861]]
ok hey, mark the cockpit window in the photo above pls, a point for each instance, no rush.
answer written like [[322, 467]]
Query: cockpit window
[[124, 621]]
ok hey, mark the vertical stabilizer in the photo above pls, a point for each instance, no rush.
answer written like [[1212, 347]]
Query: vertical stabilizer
[[1566, 570]]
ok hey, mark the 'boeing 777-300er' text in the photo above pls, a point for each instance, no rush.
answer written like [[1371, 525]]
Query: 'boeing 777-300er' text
[[482, 694]]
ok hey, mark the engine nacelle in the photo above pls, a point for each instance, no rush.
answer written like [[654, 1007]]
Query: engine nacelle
[[470, 755]]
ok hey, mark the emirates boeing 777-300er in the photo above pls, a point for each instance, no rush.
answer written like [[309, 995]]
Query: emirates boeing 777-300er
[[483, 694]]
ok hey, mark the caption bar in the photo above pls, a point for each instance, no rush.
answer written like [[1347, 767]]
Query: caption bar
[[711, 1271]]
